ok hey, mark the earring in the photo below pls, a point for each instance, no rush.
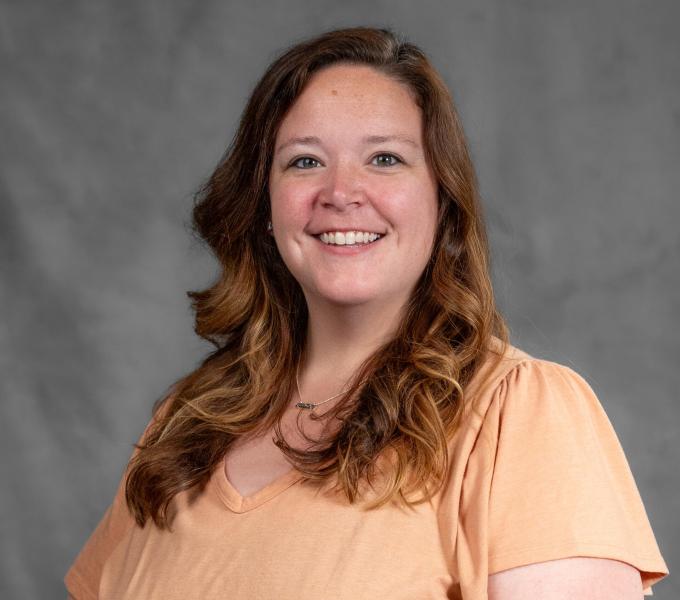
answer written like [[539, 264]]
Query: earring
[[270, 227]]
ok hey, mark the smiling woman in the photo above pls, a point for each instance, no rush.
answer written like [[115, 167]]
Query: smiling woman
[[445, 462]]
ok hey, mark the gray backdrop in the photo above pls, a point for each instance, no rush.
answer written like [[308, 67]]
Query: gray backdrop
[[112, 114]]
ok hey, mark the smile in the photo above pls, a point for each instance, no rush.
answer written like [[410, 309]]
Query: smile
[[348, 238]]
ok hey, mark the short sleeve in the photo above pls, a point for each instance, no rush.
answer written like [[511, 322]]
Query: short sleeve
[[561, 485], [82, 578]]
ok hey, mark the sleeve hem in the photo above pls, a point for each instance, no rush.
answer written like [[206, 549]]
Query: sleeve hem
[[652, 567], [78, 587]]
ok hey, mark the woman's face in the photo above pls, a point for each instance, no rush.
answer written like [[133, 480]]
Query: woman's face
[[349, 157]]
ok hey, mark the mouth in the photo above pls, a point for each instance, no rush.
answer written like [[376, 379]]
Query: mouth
[[349, 238]]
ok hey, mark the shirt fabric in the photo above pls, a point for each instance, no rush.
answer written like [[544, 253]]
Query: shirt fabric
[[536, 473]]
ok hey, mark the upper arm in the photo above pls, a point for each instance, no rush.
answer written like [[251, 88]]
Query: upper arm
[[577, 577]]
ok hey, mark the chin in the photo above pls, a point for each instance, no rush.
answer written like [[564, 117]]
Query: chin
[[346, 296], [347, 299]]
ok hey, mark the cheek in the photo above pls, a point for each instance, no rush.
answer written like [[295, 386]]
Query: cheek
[[413, 209], [291, 197], [419, 222], [288, 206]]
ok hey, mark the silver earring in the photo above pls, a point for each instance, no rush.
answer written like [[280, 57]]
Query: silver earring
[[270, 227]]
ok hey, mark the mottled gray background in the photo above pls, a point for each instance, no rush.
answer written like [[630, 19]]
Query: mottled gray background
[[113, 112]]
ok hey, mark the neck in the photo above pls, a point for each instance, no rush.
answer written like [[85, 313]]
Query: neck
[[339, 339]]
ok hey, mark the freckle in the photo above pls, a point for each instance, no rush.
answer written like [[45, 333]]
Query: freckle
[[334, 92]]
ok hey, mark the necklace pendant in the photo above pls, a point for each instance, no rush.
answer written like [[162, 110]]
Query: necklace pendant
[[305, 405]]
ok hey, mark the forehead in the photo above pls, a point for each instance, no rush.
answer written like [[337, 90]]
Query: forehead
[[354, 81], [358, 93]]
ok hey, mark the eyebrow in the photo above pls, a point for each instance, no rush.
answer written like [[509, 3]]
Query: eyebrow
[[311, 140]]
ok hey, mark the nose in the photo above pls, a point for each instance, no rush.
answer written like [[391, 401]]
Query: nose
[[343, 188]]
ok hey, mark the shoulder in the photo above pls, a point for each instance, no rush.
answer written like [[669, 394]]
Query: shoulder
[[509, 377], [525, 392]]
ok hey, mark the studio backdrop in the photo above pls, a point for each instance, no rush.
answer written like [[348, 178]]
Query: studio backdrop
[[113, 113]]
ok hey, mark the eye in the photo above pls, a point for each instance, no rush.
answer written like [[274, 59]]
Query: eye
[[389, 157], [295, 162]]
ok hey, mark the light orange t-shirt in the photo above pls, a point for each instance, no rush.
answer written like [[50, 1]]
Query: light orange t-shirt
[[537, 473]]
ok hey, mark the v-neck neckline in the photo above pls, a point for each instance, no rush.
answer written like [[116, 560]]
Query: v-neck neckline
[[240, 504]]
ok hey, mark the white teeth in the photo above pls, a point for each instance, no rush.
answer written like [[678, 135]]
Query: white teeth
[[348, 238]]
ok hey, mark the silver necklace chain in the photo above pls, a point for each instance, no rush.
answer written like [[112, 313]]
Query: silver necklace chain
[[310, 405]]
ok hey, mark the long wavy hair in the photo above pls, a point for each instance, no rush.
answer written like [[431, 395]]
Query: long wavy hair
[[407, 397]]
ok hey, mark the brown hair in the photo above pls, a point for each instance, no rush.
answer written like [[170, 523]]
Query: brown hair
[[255, 313]]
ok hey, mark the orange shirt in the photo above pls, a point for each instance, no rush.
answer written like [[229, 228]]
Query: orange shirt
[[536, 473]]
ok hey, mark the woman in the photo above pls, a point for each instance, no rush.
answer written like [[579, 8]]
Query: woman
[[364, 429]]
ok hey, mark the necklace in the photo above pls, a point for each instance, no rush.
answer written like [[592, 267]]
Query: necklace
[[310, 405]]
